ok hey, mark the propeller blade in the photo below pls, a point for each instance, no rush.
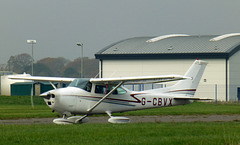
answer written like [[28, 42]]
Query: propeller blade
[[47, 96]]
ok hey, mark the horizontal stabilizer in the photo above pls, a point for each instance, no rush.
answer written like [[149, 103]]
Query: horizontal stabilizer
[[191, 98]]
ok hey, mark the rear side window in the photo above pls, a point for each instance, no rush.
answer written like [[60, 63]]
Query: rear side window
[[103, 89]]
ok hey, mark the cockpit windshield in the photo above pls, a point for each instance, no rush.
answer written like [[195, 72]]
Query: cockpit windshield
[[82, 83]]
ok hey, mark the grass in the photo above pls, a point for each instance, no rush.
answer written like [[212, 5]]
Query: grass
[[118, 134], [13, 107], [196, 108], [25, 111], [20, 100], [121, 134], [20, 107]]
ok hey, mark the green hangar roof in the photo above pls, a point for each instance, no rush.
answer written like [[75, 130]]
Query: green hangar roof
[[173, 46]]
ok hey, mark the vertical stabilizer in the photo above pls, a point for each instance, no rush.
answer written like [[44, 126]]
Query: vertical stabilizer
[[189, 86]]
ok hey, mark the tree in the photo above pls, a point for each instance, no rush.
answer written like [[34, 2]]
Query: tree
[[55, 65], [90, 68], [19, 63], [39, 70], [70, 72]]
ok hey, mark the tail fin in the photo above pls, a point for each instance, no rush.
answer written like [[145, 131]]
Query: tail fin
[[189, 86]]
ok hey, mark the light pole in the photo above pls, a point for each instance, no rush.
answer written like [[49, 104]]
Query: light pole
[[32, 42], [80, 44]]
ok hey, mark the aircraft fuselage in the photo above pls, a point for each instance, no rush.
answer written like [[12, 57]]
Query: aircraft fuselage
[[73, 100]]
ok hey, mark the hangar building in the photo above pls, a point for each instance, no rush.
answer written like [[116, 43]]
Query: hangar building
[[174, 54], [12, 87]]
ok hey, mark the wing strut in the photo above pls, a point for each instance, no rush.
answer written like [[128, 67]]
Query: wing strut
[[53, 85], [100, 101]]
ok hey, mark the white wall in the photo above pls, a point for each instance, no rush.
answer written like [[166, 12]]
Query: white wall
[[214, 73], [6, 84]]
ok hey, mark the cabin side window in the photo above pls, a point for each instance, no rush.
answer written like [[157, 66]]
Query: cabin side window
[[88, 87], [104, 89]]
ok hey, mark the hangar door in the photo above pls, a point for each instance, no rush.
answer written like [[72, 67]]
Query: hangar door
[[238, 93]]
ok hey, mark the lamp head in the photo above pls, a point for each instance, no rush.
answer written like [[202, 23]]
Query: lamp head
[[79, 44], [31, 41]]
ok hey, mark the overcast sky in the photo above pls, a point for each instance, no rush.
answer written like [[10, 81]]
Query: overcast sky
[[58, 25]]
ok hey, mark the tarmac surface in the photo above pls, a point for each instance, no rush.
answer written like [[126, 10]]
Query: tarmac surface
[[138, 119]]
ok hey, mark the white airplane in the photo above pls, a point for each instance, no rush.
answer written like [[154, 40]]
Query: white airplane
[[107, 95]]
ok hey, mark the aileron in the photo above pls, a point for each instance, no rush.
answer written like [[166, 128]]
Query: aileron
[[41, 78]]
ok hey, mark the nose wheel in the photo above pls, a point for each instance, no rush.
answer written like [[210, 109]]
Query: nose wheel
[[70, 120]]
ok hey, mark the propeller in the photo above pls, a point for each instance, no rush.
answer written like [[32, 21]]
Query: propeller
[[47, 96]]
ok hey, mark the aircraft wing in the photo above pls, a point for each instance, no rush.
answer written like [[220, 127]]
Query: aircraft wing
[[41, 78], [113, 81], [138, 80]]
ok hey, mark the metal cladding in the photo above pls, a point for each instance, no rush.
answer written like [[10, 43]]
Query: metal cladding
[[174, 45]]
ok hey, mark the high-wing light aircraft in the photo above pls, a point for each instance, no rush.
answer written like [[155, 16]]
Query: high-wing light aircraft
[[107, 95]]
